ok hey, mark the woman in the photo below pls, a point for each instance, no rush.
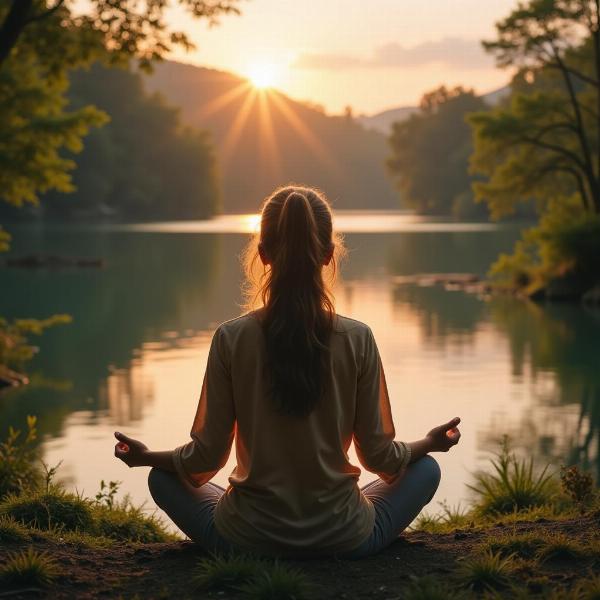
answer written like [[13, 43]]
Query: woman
[[294, 384]]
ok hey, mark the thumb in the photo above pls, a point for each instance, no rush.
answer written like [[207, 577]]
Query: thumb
[[123, 438], [450, 424]]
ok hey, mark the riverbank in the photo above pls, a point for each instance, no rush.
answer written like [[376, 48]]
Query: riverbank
[[415, 560]]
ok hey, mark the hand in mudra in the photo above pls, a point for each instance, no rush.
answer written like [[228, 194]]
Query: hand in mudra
[[443, 437], [131, 452]]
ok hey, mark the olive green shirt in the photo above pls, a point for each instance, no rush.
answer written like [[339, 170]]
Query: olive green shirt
[[293, 490]]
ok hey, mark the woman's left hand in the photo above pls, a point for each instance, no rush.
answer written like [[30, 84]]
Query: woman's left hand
[[132, 452]]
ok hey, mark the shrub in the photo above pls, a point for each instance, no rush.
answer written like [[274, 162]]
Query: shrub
[[52, 508], [18, 456], [28, 568], [577, 485], [512, 486]]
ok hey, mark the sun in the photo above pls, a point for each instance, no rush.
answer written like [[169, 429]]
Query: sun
[[263, 75]]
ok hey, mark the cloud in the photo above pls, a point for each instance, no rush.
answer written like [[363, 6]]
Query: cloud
[[458, 53]]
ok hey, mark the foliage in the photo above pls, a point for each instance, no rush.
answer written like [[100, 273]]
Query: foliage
[[18, 456], [559, 547], [429, 587], [512, 486], [446, 520], [430, 152], [579, 486], [15, 349], [29, 567], [12, 531], [544, 144], [144, 164], [523, 545], [38, 46], [106, 494], [486, 571]]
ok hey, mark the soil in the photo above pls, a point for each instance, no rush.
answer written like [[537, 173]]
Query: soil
[[162, 570]]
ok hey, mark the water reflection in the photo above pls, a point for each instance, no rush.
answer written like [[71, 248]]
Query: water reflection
[[134, 356]]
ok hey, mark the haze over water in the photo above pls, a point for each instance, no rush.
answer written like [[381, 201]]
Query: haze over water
[[134, 357]]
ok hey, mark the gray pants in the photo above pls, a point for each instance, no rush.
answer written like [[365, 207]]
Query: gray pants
[[396, 506]]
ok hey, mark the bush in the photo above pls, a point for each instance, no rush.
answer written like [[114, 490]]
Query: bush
[[512, 486], [18, 456]]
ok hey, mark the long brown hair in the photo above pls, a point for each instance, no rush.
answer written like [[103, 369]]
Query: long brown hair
[[296, 239]]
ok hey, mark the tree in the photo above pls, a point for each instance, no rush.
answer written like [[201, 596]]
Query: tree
[[544, 143], [40, 42], [430, 152]]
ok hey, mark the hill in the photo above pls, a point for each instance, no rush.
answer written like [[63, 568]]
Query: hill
[[264, 139], [382, 121]]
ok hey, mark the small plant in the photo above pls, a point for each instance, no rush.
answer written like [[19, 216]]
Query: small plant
[[277, 582], [579, 486], [12, 531], [18, 456], [523, 545], [449, 519], [28, 568], [486, 571], [226, 572], [588, 589], [560, 548], [55, 508], [107, 493], [49, 474], [512, 486]]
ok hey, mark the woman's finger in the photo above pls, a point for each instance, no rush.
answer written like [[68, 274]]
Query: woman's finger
[[123, 438], [449, 425]]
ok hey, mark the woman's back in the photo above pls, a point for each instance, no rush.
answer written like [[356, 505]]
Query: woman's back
[[293, 488]]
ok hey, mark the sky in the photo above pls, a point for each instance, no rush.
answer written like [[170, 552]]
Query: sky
[[368, 54]]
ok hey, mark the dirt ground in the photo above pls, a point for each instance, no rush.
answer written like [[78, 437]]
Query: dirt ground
[[163, 570]]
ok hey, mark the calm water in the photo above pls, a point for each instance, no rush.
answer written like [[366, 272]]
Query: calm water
[[133, 358]]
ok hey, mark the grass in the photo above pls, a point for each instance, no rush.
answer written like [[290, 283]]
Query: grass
[[29, 568], [449, 519], [560, 548], [277, 582], [512, 486], [523, 545], [52, 508], [430, 588], [486, 571], [13, 532], [255, 578]]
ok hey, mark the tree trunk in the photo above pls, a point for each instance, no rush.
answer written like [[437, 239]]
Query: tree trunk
[[13, 25]]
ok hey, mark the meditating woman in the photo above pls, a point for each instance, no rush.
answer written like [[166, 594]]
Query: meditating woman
[[293, 384]]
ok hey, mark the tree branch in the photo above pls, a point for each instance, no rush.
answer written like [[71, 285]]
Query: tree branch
[[46, 13]]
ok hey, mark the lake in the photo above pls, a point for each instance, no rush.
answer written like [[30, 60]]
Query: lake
[[133, 358]]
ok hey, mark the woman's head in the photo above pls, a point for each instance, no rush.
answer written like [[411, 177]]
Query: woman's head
[[284, 267]]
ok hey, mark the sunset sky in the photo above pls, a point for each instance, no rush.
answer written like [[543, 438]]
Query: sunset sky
[[369, 55]]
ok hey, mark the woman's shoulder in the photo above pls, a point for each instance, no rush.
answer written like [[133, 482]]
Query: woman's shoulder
[[347, 325]]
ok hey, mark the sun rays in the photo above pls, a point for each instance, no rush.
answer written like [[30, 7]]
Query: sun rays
[[271, 107]]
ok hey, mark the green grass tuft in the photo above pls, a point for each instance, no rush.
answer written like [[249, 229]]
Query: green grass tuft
[[523, 545], [486, 571], [12, 532], [52, 508], [559, 547], [226, 572], [449, 519], [123, 521], [277, 582], [30, 567], [512, 486]]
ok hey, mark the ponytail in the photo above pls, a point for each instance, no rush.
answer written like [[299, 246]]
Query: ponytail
[[297, 240]]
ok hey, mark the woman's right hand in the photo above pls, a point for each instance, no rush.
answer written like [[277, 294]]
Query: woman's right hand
[[443, 437]]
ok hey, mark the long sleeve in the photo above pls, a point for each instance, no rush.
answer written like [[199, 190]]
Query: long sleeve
[[374, 432], [214, 425]]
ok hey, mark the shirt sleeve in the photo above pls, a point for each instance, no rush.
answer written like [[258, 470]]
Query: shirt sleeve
[[214, 424], [374, 432]]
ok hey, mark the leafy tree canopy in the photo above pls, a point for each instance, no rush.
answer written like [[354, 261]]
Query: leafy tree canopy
[[430, 152]]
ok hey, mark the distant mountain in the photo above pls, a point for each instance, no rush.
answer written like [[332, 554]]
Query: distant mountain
[[382, 122], [265, 139]]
